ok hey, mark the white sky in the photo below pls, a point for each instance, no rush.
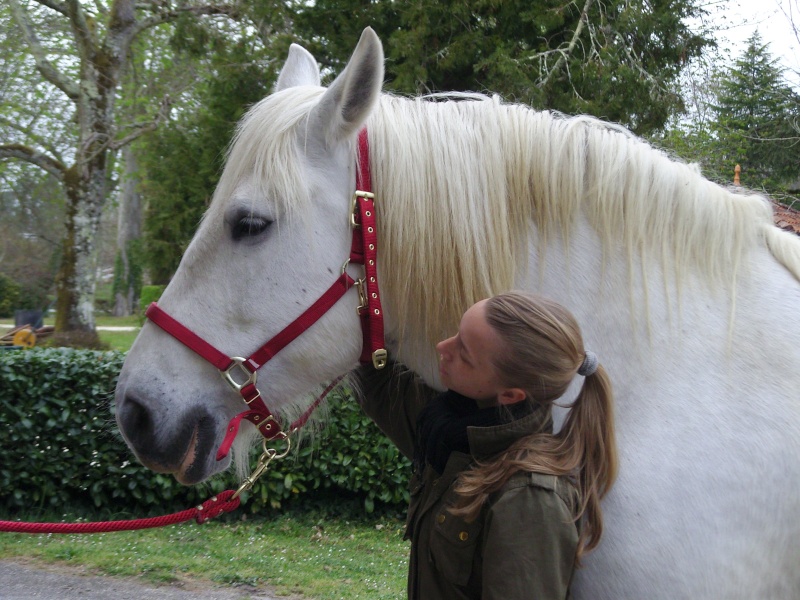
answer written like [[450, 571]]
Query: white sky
[[773, 19]]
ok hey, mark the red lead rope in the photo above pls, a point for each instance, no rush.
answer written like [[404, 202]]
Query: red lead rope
[[221, 503]]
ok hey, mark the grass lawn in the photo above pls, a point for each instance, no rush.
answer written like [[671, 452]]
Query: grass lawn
[[118, 340], [322, 559]]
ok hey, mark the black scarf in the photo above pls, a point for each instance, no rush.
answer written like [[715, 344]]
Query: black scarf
[[442, 426]]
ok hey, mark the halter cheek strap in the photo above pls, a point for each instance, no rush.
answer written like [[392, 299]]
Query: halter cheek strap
[[364, 251]]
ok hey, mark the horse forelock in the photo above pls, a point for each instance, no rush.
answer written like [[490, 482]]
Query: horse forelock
[[459, 184], [265, 150]]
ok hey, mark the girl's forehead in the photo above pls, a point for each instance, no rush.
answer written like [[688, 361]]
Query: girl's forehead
[[478, 337]]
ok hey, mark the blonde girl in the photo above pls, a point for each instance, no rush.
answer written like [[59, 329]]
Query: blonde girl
[[501, 506]]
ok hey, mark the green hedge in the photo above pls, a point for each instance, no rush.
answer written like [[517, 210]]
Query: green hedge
[[61, 448]]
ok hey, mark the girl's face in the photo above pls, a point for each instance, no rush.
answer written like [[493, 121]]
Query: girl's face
[[465, 359]]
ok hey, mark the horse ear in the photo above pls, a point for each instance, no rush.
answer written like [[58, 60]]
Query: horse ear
[[347, 103], [300, 69]]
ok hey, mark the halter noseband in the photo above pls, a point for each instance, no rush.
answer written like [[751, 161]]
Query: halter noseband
[[241, 373]]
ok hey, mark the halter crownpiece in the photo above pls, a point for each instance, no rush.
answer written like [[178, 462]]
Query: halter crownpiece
[[589, 364]]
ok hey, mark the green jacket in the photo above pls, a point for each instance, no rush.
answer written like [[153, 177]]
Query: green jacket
[[523, 544]]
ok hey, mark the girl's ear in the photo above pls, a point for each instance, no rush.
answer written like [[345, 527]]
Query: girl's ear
[[511, 396]]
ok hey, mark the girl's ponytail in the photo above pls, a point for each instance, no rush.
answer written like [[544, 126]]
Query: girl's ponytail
[[587, 440]]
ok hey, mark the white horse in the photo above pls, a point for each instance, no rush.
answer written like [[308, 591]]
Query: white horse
[[685, 290]]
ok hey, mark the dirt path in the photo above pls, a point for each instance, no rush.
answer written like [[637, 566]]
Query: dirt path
[[29, 581]]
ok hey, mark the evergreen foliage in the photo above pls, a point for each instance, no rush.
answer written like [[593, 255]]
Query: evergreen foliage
[[757, 120], [10, 293], [182, 161], [617, 60], [745, 114]]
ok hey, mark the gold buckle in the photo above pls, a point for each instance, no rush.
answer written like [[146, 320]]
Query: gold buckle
[[238, 361], [362, 296], [358, 194], [379, 358]]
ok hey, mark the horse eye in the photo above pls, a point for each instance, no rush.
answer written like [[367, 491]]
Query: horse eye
[[249, 226]]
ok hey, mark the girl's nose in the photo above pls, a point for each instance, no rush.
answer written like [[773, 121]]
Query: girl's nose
[[442, 347]]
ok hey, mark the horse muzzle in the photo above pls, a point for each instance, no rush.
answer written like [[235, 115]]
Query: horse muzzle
[[183, 445]]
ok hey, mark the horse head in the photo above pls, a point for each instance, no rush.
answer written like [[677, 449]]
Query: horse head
[[274, 238]]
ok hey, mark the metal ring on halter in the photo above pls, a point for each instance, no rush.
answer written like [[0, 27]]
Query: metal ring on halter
[[238, 361]]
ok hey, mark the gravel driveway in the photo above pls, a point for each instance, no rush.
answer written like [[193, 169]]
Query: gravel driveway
[[25, 581]]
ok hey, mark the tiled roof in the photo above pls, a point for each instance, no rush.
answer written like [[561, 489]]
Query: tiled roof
[[786, 218]]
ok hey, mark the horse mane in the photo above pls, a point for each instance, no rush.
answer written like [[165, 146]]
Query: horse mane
[[458, 182], [459, 179]]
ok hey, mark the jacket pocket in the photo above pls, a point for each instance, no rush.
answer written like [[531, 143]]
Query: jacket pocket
[[453, 545]]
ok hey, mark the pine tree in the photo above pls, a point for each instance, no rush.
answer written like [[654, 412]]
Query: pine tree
[[757, 121]]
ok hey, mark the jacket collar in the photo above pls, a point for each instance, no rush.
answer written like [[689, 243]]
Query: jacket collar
[[485, 442]]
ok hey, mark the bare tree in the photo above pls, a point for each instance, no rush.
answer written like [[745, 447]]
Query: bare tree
[[80, 49]]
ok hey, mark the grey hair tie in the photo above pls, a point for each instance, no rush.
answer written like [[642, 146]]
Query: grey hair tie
[[589, 364]]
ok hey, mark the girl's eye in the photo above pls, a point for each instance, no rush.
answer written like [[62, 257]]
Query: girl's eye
[[249, 226]]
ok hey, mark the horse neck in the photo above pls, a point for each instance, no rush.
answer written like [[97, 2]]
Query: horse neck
[[462, 182]]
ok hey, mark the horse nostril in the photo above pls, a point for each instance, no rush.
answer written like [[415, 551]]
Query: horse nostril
[[136, 422]]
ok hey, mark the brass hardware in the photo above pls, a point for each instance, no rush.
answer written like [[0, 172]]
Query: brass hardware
[[267, 457], [253, 399], [362, 296], [463, 536], [268, 423], [379, 358], [238, 361], [440, 518], [358, 194]]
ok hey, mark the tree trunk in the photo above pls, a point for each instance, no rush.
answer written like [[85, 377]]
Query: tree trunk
[[85, 181], [77, 276], [129, 231]]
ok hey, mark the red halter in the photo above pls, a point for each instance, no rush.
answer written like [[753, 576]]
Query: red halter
[[364, 252]]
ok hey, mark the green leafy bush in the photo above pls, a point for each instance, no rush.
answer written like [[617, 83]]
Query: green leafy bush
[[61, 448]]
